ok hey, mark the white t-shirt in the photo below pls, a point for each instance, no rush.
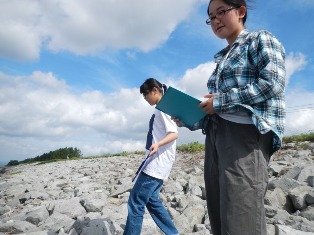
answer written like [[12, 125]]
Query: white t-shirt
[[159, 165]]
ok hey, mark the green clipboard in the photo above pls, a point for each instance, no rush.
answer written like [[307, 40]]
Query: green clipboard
[[181, 105]]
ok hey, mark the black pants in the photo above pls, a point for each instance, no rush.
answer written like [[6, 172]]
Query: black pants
[[236, 178]]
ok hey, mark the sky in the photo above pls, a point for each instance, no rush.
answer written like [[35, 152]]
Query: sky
[[70, 70]]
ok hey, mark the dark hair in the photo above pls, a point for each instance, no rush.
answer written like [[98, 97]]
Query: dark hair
[[234, 3], [149, 85]]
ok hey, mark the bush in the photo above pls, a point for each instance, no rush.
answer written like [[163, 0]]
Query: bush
[[191, 147], [299, 138], [62, 153], [13, 163]]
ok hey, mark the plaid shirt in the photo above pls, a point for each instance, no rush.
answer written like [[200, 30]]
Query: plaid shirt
[[250, 76]]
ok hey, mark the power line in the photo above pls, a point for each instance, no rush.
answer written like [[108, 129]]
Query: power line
[[300, 108]]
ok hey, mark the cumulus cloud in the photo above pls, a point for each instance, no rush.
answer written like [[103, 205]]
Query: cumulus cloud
[[300, 112], [294, 62], [194, 81], [43, 107], [300, 108], [20, 37], [41, 112], [85, 27]]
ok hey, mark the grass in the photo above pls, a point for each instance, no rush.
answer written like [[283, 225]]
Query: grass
[[191, 148], [15, 172], [299, 138]]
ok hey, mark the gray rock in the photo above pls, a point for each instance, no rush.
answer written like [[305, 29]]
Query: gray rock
[[15, 227], [278, 199], [310, 197], [89, 196], [57, 221], [305, 173], [308, 213], [93, 205], [298, 196], [98, 227], [70, 207], [38, 215], [294, 172], [285, 184], [4, 209], [310, 180], [285, 230], [172, 188], [44, 232]]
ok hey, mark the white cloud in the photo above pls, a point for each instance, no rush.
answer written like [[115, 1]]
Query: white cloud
[[41, 108], [300, 112], [84, 27], [194, 81], [294, 62], [19, 35], [40, 113]]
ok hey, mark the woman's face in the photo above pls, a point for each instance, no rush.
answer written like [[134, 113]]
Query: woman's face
[[152, 97], [226, 21]]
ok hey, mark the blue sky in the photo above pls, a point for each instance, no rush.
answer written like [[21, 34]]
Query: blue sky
[[70, 70]]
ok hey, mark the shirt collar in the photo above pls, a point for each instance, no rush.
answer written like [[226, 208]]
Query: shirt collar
[[240, 39]]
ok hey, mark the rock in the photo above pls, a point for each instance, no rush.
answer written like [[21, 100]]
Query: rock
[[308, 213], [93, 205], [38, 215], [278, 199], [285, 230], [298, 196], [57, 221], [89, 196], [70, 207], [15, 227]]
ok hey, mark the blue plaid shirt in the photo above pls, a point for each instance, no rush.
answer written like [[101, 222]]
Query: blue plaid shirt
[[252, 78]]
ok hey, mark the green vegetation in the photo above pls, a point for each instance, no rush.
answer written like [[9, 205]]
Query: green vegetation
[[299, 138], [74, 153], [60, 154], [191, 147], [122, 154], [15, 172], [13, 163]]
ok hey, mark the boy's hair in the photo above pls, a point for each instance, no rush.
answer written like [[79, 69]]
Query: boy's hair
[[234, 3], [149, 85]]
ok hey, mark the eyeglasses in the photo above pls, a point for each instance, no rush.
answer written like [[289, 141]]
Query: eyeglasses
[[218, 15]]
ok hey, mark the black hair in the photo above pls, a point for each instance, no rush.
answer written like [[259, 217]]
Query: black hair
[[149, 85], [234, 3]]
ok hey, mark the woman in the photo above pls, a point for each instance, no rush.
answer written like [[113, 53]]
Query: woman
[[245, 120], [161, 149]]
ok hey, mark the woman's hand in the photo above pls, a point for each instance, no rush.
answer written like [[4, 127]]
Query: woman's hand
[[178, 122], [153, 149], [171, 136], [208, 105]]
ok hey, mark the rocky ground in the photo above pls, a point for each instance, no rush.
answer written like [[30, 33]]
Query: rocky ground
[[89, 196]]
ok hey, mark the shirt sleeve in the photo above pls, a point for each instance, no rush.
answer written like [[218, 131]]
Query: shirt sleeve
[[170, 125]]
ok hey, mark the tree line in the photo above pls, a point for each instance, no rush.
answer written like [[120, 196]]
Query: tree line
[[62, 153]]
